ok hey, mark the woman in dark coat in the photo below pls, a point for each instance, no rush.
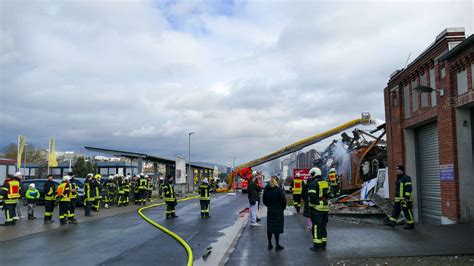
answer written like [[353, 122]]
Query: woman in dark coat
[[275, 200], [306, 213]]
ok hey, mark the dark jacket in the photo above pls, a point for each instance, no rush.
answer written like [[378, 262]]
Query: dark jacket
[[253, 192], [49, 190], [275, 200], [403, 188], [304, 193]]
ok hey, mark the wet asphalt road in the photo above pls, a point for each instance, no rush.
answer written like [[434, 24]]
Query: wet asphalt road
[[127, 239]]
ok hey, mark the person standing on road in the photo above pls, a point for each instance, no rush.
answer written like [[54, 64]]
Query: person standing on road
[[318, 192], [142, 189], [275, 200], [89, 194], [32, 195], [74, 194], [19, 203], [12, 187], [403, 200], [64, 196], [334, 183], [307, 211], [98, 196], [297, 189], [253, 191], [170, 198], [49, 199], [127, 190], [205, 198]]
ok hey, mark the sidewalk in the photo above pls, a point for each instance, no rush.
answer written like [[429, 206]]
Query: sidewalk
[[25, 227]]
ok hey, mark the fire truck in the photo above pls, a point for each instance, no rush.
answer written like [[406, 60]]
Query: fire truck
[[242, 173]]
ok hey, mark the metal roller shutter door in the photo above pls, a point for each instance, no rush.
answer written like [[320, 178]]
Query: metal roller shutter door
[[428, 171]]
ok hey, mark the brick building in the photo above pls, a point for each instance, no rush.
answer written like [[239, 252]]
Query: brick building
[[429, 114]]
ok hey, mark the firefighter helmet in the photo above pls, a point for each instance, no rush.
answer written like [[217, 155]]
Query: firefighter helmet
[[314, 172], [332, 170]]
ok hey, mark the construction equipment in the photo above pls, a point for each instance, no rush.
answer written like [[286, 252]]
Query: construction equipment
[[364, 120]]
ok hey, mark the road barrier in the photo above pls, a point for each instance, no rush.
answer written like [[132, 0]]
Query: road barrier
[[164, 229]]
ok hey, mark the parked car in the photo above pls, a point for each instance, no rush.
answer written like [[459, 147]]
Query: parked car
[[39, 184]]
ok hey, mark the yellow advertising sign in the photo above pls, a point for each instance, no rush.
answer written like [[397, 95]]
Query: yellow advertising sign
[[52, 154], [21, 147]]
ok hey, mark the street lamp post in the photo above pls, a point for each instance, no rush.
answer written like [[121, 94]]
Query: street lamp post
[[189, 158], [70, 153], [24, 162]]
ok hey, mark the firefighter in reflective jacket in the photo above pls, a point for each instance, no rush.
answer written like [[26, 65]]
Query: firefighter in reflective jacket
[[170, 198], [205, 198], [402, 199], [89, 194], [142, 189], [49, 199], [74, 194], [64, 197], [297, 189], [98, 196], [333, 183], [127, 190], [318, 192], [149, 188], [11, 188]]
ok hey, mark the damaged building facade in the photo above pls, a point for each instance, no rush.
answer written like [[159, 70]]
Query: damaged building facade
[[429, 107]]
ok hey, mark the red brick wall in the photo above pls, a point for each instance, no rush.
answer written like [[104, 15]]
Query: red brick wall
[[443, 113]]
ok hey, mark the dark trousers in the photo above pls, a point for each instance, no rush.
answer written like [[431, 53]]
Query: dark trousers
[[320, 234], [88, 207], [170, 209], [205, 207], [121, 199], [10, 212], [142, 196], [96, 205], [48, 209], [334, 190], [64, 211], [73, 208], [406, 207], [297, 202]]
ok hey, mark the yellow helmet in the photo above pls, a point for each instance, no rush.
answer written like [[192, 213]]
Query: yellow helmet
[[98, 176]]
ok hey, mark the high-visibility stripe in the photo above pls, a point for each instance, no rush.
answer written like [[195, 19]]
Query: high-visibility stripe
[[312, 191], [315, 234]]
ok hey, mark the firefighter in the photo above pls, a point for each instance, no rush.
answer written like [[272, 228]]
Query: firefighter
[[32, 195], [136, 191], [98, 196], [49, 199], [403, 200], [142, 189], [296, 189], [127, 190], [89, 194], [205, 198], [64, 193], [19, 177], [318, 193], [149, 188], [12, 191], [333, 183], [74, 194], [170, 198], [121, 191], [108, 191]]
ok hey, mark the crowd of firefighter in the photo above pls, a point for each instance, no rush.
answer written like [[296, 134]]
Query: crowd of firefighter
[[117, 190]]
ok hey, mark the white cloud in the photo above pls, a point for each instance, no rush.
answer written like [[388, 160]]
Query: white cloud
[[248, 78]]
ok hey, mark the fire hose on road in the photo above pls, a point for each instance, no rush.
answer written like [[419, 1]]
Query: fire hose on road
[[169, 232]]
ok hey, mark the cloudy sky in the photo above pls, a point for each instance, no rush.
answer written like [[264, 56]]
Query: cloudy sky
[[248, 77]]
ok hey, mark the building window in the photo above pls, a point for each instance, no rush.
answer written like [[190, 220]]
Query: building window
[[424, 95], [406, 101], [442, 72], [433, 86], [462, 82], [472, 76], [394, 97], [414, 95]]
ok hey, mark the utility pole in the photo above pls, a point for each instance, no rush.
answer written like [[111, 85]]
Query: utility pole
[[24, 163], [189, 159]]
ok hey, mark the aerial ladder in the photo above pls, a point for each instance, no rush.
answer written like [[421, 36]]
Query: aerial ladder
[[244, 170]]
